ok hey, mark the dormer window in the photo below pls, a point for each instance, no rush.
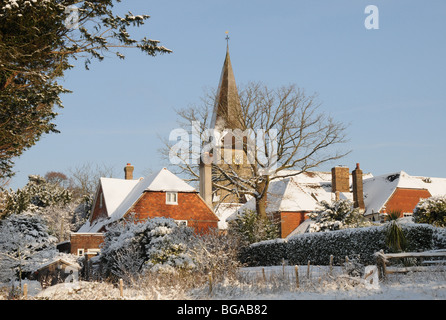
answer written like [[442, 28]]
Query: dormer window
[[171, 197]]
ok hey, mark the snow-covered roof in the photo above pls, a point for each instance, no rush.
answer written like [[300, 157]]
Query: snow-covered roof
[[378, 190], [60, 260], [225, 210], [300, 192], [163, 180], [303, 191], [126, 194], [302, 228], [115, 191]]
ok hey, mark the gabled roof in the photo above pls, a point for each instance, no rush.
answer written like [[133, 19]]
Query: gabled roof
[[115, 191], [59, 260], [379, 189], [164, 181], [303, 192], [300, 192], [120, 195]]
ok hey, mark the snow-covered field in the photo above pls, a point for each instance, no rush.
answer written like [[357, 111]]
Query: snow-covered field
[[271, 283]]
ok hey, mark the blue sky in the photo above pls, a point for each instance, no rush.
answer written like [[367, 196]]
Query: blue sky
[[387, 84]]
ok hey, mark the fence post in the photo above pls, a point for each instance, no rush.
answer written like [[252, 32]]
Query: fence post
[[381, 264], [210, 283], [331, 265], [121, 288], [283, 268], [263, 273], [296, 271], [308, 270], [25, 290]]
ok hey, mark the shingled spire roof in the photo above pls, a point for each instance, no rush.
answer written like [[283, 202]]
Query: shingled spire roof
[[227, 109]]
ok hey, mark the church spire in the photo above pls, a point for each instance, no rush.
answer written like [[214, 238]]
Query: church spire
[[227, 109]]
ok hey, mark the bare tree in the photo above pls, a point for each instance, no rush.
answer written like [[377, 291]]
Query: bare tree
[[85, 177], [296, 137], [57, 177]]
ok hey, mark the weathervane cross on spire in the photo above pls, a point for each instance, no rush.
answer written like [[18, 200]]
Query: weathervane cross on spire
[[227, 38]]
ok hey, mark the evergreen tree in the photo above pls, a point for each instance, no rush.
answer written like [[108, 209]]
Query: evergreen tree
[[24, 245], [38, 39], [35, 195], [337, 215], [157, 244], [251, 227], [432, 211], [62, 212]]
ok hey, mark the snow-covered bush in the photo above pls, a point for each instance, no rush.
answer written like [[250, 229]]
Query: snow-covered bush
[[215, 253], [337, 215], [318, 247], [62, 212], [439, 238], [431, 210], [265, 253], [36, 194], [25, 244], [157, 244], [361, 243]]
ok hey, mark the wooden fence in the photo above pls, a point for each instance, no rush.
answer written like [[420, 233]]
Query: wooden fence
[[410, 261]]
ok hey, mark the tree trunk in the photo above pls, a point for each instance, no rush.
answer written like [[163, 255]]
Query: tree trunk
[[261, 200]]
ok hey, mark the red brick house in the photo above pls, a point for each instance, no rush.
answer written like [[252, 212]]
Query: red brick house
[[291, 198], [398, 192], [162, 194]]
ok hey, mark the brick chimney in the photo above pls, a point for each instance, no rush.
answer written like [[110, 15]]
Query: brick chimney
[[128, 172], [206, 178], [340, 179], [358, 189]]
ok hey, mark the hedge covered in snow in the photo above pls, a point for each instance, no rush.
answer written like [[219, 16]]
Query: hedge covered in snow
[[265, 253], [360, 243]]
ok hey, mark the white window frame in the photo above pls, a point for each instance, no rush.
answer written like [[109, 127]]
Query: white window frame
[[80, 252], [171, 197]]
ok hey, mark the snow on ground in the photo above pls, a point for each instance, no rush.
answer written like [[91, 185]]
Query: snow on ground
[[274, 283], [411, 286]]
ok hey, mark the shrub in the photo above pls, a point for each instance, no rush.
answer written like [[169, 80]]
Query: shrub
[[361, 243], [395, 238], [439, 238], [157, 244], [318, 247], [215, 253], [25, 244], [337, 215], [265, 253], [249, 227], [432, 211]]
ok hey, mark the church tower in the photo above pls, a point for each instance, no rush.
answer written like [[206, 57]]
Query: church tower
[[226, 118], [227, 110]]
